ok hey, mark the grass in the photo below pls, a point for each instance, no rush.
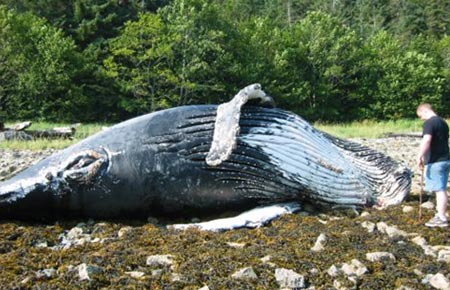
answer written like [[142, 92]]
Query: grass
[[83, 131], [359, 129], [371, 129]]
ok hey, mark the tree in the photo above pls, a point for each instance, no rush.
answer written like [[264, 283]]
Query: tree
[[40, 66], [317, 68], [140, 62], [405, 79]]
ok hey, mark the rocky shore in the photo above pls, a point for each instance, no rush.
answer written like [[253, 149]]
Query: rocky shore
[[375, 249]]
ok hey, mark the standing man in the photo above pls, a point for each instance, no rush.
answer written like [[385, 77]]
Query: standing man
[[434, 153]]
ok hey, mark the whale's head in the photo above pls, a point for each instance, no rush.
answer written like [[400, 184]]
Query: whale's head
[[50, 180]]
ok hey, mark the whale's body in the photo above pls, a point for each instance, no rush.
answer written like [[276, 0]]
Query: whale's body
[[155, 165]]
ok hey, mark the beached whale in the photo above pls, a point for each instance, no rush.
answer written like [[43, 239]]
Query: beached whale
[[204, 160]]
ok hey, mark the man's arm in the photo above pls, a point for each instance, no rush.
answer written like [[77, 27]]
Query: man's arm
[[423, 150]]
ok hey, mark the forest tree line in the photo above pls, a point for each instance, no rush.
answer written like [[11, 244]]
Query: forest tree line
[[329, 60]]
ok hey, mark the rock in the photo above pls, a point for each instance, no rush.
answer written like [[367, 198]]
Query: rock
[[46, 273], [333, 271], [123, 231], [75, 233], [176, 277], [428, 205], [41, 244], [86, 271], [135, 274], [379, 256], [314, 271], [204, 288], [236, 245], [444, 256], [245, 274], [439, 281], [355, 268], [319, 245], [408, 209], [338, 285], [266, 260], [157, 272], [427, 278], [365, 214], [289, 279], [26, 280], [429, 251], [391, 231], [369, 226], [420, 241], [75, 237], [159, 260], [418, 272]]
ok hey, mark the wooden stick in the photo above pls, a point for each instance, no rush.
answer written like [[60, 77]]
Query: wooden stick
[[420, 194]]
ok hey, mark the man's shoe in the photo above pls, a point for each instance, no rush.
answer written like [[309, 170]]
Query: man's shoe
[[436, 222]]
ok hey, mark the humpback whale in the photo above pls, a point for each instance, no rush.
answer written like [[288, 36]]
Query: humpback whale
[[201, 160]]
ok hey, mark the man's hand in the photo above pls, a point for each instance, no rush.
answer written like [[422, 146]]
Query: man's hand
[[420, 163]]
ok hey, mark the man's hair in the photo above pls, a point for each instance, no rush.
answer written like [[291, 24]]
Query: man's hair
[[424, 106]]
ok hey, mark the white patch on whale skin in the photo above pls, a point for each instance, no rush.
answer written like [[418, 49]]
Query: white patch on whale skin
[[254, 218], [20, 189], [305, 156]]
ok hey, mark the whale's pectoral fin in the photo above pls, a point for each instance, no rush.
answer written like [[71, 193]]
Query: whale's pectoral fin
[[226, 127], [250, 219], [265, 101]]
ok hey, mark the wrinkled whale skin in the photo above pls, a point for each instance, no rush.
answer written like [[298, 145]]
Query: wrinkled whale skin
[[155, 165]]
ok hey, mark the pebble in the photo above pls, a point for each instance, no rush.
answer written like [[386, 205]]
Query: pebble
[[354, 268], [287, 278], [245, 274], [135, 274], [444, 255], [439, 281], [320, 242], [407, 209], [391, 231], [370, 226], [123, 231], [427, 205], [86, 271], [379, 256], [160, 260]]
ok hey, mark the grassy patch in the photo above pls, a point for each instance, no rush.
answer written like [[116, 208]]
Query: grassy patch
[[83, 131], [370, 129], [360, 129]]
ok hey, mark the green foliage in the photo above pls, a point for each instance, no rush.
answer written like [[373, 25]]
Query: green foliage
[[326, 60], [40, 66], [404, 79], [141, 63], [318, 58]]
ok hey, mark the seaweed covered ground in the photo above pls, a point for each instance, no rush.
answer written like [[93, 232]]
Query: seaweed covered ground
[[372, 249]]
